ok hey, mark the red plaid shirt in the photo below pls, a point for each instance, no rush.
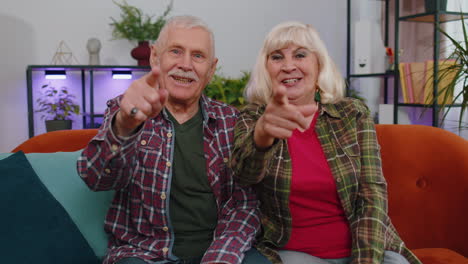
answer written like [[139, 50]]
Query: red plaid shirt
[[139, 169]]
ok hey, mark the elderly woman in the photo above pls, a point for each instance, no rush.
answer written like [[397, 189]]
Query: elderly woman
[[312, 156]]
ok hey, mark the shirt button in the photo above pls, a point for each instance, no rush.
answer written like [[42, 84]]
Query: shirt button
[[168, 163], [114, 147], [169, 134], [165, 250], [163, 196], [107, 170], [165, 229], [225, 160], [143, 142], [338, 180]]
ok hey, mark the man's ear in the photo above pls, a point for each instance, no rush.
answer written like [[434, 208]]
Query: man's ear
[[213, 67], [154, 56]]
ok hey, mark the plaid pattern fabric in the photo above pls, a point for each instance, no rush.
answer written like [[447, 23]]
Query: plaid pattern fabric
[[348, 138], [139, 169]]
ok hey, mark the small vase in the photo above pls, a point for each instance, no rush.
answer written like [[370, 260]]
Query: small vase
[[142, 53], [54, 125]]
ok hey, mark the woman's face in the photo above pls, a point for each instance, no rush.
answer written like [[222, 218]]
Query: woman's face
[[295, 68]]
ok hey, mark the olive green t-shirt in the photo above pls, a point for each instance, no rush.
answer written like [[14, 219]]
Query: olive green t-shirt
[[192, 204]]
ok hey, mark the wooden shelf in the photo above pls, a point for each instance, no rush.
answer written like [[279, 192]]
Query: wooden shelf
[[385, 74], [444, 16], [427, 105]]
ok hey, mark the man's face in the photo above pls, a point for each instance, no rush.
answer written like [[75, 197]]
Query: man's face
[[186, 62]]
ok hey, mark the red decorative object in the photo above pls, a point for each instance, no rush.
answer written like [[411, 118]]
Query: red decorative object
[[389, 52], [142, 53]]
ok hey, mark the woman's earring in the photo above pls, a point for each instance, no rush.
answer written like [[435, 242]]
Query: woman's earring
[[317, 97]]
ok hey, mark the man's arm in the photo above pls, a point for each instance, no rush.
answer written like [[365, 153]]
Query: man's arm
[[106, 162], [237, 228]]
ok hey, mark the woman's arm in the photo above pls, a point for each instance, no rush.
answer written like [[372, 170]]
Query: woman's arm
[[248, 161], [370, 221]]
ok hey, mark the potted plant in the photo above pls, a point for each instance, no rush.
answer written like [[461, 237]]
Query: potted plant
[[136, 26], [454, 75], [228, 90], [231, 90], [57, 106]]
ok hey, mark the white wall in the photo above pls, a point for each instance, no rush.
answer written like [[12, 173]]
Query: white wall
[[31, 31]]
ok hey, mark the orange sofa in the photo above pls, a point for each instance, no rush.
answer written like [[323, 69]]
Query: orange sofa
[[427, 173]]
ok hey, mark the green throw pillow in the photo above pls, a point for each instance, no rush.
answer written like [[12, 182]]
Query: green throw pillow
[[87, 208], [34, 226]]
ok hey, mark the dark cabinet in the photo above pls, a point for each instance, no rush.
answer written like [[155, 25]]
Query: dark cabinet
[[91, 87]]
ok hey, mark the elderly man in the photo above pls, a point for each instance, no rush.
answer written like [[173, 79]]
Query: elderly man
[[164, 148]]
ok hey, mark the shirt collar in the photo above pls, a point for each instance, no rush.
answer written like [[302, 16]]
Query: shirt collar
[[206, 109], [329, 109]]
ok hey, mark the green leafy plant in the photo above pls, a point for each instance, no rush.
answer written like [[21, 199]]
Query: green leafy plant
[[351, 92], [57, 103], [459, 69], [356, 94], [136, 26], [231, 90], [228, 90]]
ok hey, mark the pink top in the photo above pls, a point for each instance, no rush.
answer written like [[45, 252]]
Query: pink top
[[319, 225]]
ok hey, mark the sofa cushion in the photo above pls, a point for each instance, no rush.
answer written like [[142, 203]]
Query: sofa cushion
[[439, 256], [86, 208], [35, 227]]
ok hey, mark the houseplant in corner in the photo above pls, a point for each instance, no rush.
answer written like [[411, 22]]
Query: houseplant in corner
[[57, 106], [455, 75], [136, 26]]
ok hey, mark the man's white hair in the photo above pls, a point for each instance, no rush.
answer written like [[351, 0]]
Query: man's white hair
[[186, 22]]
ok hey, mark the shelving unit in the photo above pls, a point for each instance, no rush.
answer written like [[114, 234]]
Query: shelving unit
[[386, 75], [88, 88], [436, 18]]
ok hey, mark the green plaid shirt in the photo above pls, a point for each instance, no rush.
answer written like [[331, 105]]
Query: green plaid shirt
[[348, 138]]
